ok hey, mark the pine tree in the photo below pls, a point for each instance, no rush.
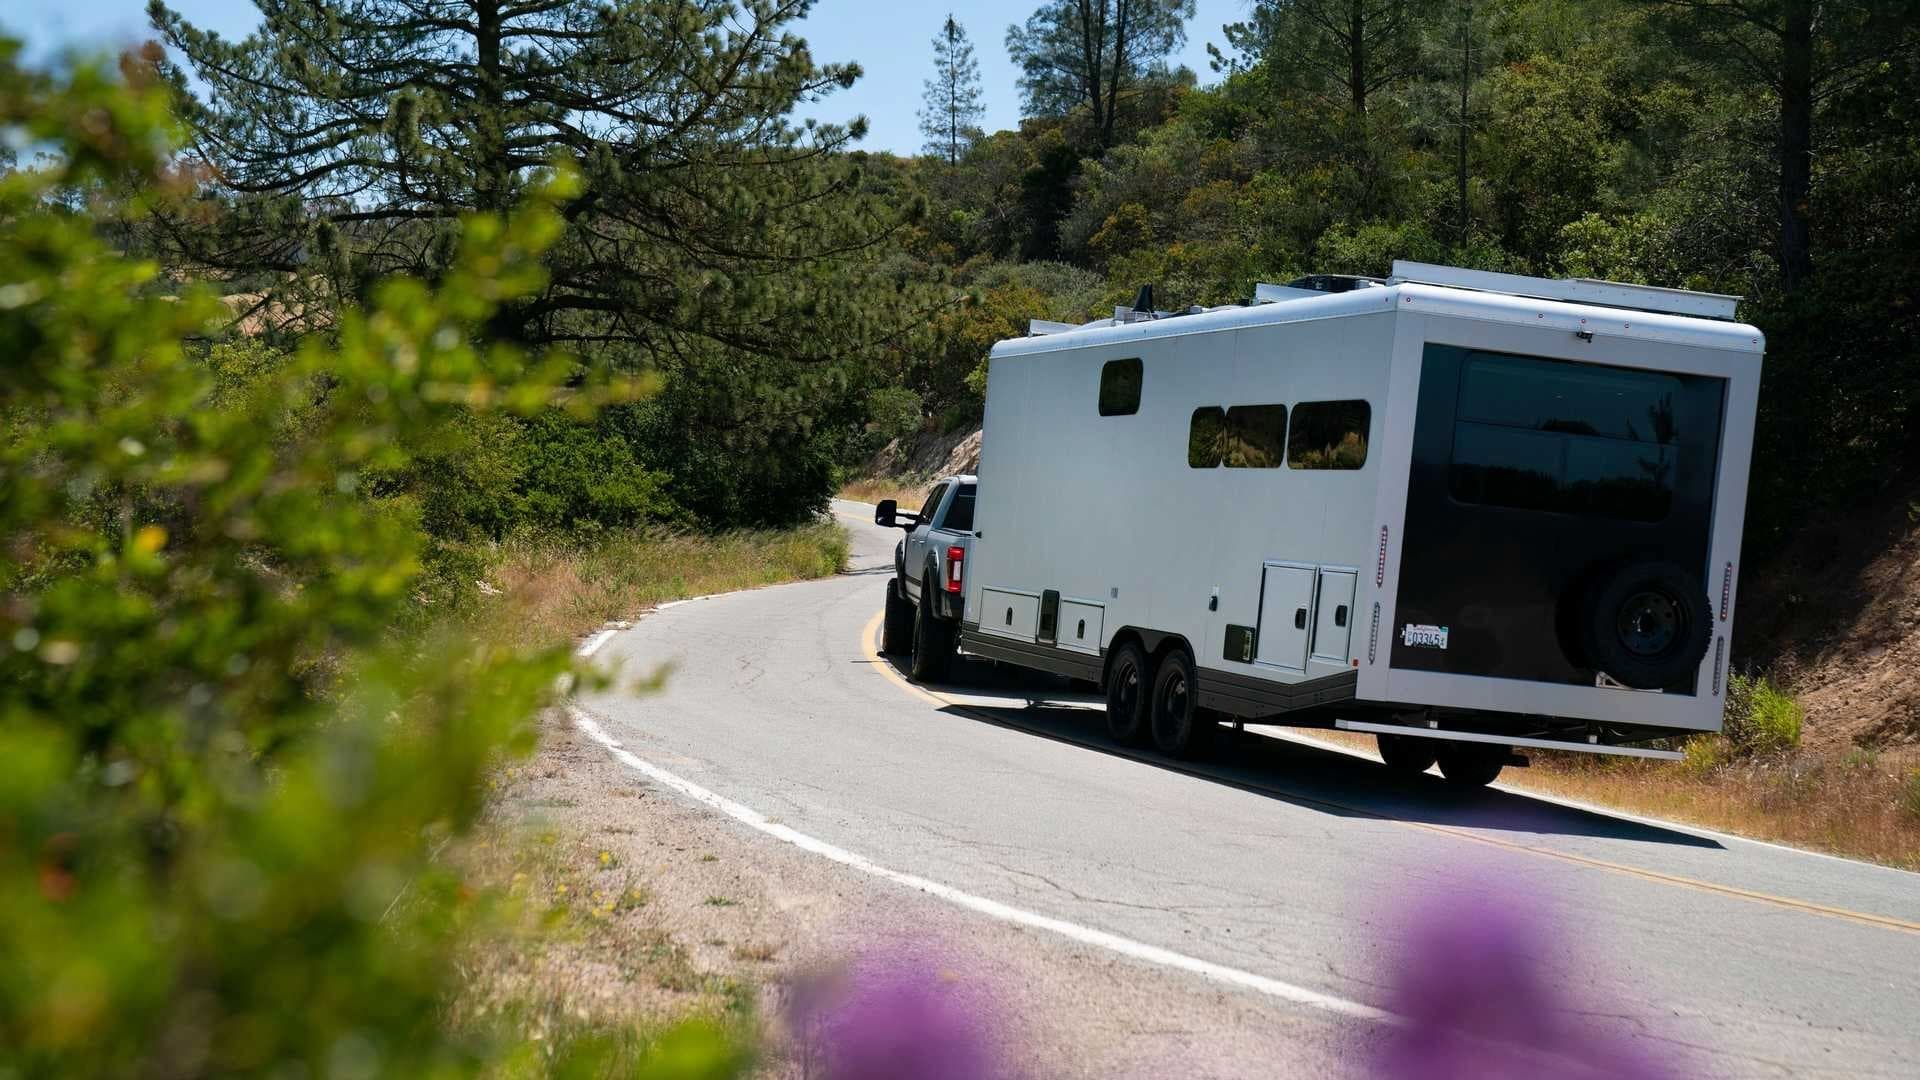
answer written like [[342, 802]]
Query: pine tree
[[1345, 50], [950, 115], [346, 138], [1800, 53], [1091, 54]]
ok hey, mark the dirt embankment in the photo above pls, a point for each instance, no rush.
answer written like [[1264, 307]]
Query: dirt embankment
[[1836, 619], [928, 454]]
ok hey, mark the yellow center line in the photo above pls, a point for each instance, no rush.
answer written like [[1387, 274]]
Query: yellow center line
[[869, 642]]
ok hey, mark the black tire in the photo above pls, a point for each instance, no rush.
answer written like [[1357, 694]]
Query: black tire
[[1129, 696], [1180, 727], [1408, 754], [933, 644], [896, 627], [1472, 764], [1647, 625]]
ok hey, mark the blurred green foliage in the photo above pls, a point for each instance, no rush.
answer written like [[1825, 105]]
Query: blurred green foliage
[[223, 773]]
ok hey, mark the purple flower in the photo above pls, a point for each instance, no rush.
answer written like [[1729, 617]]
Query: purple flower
[[1474, 1003], [891, 1015]]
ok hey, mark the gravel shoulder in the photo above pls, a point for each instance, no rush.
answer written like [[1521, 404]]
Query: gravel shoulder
[[729, 919]]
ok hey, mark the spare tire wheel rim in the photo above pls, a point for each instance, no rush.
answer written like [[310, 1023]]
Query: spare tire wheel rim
[[1649, 623]]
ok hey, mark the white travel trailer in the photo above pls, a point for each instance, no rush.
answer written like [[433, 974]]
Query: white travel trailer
[[1467, 512]]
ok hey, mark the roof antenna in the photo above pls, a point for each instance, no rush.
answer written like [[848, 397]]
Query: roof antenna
[[1143, 300]]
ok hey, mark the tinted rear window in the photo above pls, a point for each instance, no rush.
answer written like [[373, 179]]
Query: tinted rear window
[[1563, 437], [960, 512]]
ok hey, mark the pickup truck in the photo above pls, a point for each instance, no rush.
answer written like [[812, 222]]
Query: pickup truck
[[926, 594]]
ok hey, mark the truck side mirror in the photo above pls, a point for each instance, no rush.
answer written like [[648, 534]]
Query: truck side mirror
[[883, 513]]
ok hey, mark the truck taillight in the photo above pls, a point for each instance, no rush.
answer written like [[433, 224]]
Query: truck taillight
[[956, 566]]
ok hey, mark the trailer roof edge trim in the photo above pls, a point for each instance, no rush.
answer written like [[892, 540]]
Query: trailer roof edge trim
[[1452, 301], [1617, 294]]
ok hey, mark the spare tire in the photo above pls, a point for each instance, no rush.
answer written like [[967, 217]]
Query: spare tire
[[1647, 625]]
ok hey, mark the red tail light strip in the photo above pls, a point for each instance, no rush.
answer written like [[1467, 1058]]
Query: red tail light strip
[[956, 560]]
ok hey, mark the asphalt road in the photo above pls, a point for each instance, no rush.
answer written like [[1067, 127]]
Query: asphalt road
[[1288, 861]]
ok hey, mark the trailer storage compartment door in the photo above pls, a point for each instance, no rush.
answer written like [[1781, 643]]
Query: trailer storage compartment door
[[1333, 616], [1286, 608], [1080, 626], [1009, 613]]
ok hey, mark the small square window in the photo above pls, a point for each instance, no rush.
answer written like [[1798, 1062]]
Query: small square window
[[1120, 387]]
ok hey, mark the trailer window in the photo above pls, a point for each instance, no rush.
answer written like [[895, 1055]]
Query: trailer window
[[1329, 435], [1206, 438], [1242, 437], [1256, 436], [1120, 387], [1562, 437]]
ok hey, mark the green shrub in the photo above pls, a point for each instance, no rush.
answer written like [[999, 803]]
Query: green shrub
[[1910, 799], [222, 776], [1760, 718]]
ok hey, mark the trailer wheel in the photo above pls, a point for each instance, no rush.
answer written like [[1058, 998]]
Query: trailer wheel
[[1408, 754], [933, 644], [896, 628], [1129, 694], [1471, 764], [1648, 625], [1180, 726]]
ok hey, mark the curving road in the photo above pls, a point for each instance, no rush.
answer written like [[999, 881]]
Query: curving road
[[1277, 860]]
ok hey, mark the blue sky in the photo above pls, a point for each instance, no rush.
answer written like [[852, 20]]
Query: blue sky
[[892, 41]]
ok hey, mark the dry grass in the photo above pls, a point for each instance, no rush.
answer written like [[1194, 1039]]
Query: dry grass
[[905, 490], [555, 590], [1853, 802], [584, 946]]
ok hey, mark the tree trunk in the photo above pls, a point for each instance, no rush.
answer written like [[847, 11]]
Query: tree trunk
[[1357, 56], [1796, 143], [1119, 71], [1466, 80], [490, 127], [1093, 60]]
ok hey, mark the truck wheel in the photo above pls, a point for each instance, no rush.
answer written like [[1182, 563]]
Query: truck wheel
[[1471, 764], [896, 627], [1179, 725], [1129, 693], [1408, 754], [933, 643]]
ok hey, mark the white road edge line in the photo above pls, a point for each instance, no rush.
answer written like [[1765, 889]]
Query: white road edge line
[[1128, 947], [593, 644]]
